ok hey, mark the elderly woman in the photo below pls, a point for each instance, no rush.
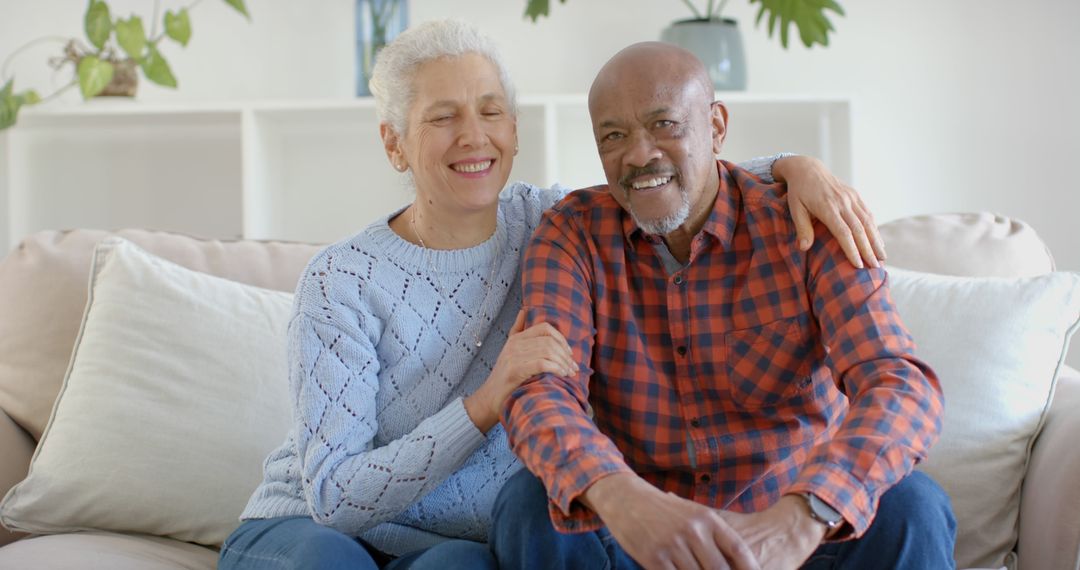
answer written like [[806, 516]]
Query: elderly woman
[[407, 338]]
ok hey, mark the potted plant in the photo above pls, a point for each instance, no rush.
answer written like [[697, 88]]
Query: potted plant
[[107, 61], [716, 41]]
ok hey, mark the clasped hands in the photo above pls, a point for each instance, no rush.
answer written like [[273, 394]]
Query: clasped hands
[[663, 531]]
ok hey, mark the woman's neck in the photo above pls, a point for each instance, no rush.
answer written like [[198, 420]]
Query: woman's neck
[[422, 225]]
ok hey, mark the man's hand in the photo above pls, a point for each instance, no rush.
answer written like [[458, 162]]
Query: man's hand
[[781, 537], [813, 192], [663, 531]]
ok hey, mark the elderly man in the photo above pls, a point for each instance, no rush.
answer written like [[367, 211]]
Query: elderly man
[[740, 403]]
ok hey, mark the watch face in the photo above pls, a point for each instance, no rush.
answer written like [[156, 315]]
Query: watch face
[[822, 511]]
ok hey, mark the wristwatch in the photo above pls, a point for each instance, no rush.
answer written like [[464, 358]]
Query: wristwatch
[[822, 512]]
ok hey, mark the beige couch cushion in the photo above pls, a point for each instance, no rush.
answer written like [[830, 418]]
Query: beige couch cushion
[[17, 447], [106, 551], [977, 244], [43, 293], [1050, 504], [176, 392]]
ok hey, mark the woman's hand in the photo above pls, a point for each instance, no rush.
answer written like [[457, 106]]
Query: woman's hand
[[528, 352], [813, 192]]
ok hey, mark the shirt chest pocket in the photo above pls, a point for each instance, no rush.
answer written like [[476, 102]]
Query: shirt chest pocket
[[769, 364]]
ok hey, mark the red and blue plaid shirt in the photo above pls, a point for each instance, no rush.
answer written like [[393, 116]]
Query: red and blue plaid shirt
[[753, 371]]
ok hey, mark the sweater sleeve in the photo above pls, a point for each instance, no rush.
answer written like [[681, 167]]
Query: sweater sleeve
[[349, 483], [762, 166]]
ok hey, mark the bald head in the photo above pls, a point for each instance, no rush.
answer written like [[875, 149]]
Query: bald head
[[658, 132], [654, 64]]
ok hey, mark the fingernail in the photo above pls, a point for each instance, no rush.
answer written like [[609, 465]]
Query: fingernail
[[859, 264], [804, 244]]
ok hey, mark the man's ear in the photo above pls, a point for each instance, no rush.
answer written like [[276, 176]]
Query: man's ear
[[392, 145], [719, 125]]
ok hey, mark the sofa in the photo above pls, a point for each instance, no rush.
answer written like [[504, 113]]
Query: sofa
[[135, 412]]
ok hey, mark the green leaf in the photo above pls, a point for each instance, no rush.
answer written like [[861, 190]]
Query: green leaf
[[536, 8], [94, 76], [98, 23], [760, 13], [178, 26], [9, 105], [807, 15], [239, 6], [131, 36], [9, 110], [28, 97], [157, 69]]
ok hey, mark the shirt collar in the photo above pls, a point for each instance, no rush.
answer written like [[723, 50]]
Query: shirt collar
[[720, 223]]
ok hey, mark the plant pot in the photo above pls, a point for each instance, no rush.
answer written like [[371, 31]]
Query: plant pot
[[125, 79], [717, 43]]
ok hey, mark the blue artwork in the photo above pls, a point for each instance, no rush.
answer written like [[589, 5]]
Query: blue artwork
[[377, 23]]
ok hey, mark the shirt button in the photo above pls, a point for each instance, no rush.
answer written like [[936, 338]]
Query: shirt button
[[681, 350], [705, 478], [694, 422], [678, 279]]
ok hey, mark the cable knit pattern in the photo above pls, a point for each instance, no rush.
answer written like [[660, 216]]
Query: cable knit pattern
[[381, 353]]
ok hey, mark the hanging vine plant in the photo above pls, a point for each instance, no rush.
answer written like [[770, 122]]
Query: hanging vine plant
[[108, 60]]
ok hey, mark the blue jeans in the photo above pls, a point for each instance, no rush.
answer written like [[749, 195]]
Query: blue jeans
[[914, 529], [300, 543]]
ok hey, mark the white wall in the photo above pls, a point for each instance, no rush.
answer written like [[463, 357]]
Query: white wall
[[960, 104]]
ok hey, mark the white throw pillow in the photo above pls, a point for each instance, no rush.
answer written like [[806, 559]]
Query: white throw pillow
[[176, 391], [996, 344]]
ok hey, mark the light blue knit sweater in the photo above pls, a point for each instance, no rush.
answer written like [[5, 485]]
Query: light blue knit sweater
[[381, 353]]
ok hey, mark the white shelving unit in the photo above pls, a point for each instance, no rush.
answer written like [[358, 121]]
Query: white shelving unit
[[306, 170]]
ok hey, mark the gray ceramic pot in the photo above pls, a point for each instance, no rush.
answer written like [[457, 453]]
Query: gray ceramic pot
[[717, 43]]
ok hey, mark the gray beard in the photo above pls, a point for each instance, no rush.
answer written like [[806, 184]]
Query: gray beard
[[665, 225]]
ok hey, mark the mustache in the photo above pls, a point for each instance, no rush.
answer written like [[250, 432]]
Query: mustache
[[624, 181]]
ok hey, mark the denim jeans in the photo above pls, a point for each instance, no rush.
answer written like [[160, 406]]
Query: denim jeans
[[914, 529], [299, 543]]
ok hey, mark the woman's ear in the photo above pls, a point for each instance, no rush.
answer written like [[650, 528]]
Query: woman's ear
[[719, 125], [392, 145]]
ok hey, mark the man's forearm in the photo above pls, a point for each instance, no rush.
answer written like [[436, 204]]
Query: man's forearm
[[894, 410], [540, 418]]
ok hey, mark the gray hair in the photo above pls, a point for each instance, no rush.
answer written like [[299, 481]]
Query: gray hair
[[392, 79]]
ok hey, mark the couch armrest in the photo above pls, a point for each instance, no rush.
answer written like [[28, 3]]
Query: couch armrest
[[1050, 500], [16, 447]]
